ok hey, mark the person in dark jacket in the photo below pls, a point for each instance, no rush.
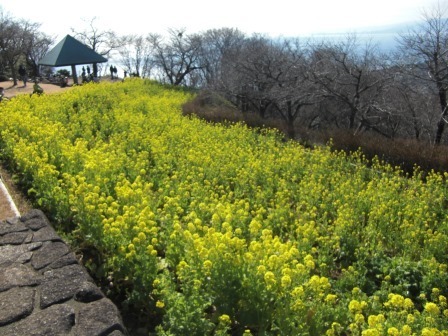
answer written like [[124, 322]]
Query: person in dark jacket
[[23, 74]]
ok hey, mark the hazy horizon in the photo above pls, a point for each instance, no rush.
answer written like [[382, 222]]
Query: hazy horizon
[[285, 18]]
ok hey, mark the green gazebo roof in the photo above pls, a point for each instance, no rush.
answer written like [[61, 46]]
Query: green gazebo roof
[[71, 52]]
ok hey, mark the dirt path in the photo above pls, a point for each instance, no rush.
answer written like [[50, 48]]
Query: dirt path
[[11, 198], [12, 91]]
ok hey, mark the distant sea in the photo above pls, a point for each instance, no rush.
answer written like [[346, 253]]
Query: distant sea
[[386, 37]]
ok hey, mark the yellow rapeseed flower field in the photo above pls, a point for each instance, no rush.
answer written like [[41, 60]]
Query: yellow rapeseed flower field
[[222, 229]]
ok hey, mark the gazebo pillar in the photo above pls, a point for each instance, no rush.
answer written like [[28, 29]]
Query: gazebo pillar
[[75, 76]]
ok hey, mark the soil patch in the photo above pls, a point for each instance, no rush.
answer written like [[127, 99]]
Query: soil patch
[[12, 90]]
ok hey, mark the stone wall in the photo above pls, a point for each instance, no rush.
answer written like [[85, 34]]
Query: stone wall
[[43, 288]]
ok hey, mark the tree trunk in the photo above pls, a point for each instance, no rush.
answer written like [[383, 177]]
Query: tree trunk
[[14, 73], [351, 119], [74, 75], [441, 123], [290, 121], [95, 70]]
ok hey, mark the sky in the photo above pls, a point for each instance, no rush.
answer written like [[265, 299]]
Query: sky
[[274, 18]]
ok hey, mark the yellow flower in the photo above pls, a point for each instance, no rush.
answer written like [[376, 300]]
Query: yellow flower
[[269, 277], [197, 284], [297, 291], [331, 298], [435, 291], [286, 281], [207, 264], [160, 304], [336, 328], [182, 265], [142, 236], [356, 290], [410, 319], [115, 231], [430, 332], [371, 332], [408, 304], [397, 301], [355, 306], [225, 319], [359, 318], [393, 331], [375, 320], [432, 308], [309, 262], [406, 330]]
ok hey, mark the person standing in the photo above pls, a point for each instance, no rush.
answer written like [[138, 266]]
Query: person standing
[[23, 74], [83, 75]]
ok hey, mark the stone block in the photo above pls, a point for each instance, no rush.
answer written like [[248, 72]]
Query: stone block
[[46, 233], [15, 304], [18, 275], [14, 238], [16, 253], [49, 253], [88, 292], [98, 318], [62, 284], [56, 320]]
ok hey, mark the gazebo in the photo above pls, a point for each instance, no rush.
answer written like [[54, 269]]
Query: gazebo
[[70, 52]]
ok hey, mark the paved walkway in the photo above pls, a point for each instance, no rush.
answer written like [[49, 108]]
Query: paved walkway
[[43, 288]]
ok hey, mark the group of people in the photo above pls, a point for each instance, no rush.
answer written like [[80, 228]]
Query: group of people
[[113, 71], [37, 89], [86, 77]]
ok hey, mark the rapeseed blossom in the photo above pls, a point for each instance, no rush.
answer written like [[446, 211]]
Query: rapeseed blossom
[[229, 226]]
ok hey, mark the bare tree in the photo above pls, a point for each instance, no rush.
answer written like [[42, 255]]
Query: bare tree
[[250, 79], [220, 49], [269, 77], [135, 54], [16, 39], [354, 77], [177, 59], [38, 47], [293, 91], [9, 51], [413, 104], [102, 42], [425, 56]]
